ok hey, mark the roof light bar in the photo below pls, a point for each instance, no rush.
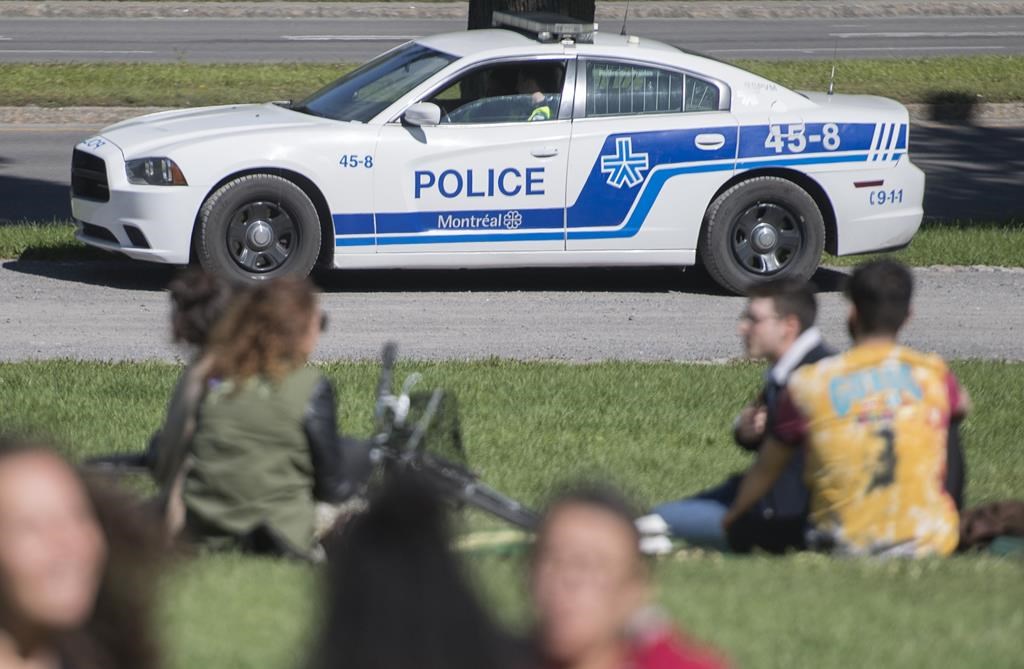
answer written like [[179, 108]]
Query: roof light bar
[[547, 27]]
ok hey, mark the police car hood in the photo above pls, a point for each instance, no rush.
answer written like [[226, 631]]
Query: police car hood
[[146, 135]]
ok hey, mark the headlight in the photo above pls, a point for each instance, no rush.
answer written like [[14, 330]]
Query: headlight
[[154, 172]]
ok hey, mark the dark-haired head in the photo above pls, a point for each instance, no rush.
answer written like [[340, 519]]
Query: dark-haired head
[[198, 300], [398, 594], [880, 292], [791, 298]]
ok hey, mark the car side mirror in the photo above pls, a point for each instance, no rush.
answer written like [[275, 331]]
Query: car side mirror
[[422, 113]]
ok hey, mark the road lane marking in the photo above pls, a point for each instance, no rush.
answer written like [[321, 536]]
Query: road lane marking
[[937, 47], [347, 38], [74, 51], [943, 35]]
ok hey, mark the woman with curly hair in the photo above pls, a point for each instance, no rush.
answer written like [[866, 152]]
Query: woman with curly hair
[[266, 446]]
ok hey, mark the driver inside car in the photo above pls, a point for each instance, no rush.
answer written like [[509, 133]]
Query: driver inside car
[[526, 84]]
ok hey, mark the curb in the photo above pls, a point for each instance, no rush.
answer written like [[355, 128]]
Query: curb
[[91, 118], [694, 9]]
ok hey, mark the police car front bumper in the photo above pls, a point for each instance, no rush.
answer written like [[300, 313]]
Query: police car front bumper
[[151, 223]]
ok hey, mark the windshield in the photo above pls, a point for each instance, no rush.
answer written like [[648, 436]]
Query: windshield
[[365, 92]]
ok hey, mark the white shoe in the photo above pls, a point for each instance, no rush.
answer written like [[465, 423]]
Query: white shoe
[[651, 524], [656, 545]]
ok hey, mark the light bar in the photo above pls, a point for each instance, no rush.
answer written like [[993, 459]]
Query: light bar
[[546, 26]]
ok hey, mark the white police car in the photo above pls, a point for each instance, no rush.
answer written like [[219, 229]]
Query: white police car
[[511, 148]]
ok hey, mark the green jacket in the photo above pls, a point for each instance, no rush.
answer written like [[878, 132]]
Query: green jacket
[[252, 468]]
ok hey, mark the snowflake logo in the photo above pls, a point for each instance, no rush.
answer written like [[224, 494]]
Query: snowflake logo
[[624, 168], [512, 219]]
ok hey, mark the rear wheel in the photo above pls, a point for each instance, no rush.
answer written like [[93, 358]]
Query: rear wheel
[[258, 227], [761, 229]]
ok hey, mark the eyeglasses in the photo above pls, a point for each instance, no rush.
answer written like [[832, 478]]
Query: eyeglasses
[[323, 321], [748, 317]]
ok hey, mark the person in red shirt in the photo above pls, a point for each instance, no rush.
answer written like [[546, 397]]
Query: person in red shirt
[[590, 588]]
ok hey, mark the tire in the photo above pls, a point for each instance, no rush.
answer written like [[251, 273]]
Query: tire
[[761, 229], [258, 227]]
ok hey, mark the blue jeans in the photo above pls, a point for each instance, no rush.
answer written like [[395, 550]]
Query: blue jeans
[[697, 521], [778, 522]]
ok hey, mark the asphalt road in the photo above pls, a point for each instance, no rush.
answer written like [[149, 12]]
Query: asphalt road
[[972, 171], [336, 40], [118, 311]]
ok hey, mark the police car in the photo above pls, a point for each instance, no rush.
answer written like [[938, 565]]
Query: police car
[[533, 144]]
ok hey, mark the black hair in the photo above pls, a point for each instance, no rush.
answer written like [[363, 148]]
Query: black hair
[[198, 299], [398, 595], [881, 291], [791, 297], [598, 496]]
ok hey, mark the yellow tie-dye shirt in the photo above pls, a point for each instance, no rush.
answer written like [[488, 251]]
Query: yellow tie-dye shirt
[[875, 423]]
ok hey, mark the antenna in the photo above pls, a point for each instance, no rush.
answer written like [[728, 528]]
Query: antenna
[[625, 16], [832, 77]]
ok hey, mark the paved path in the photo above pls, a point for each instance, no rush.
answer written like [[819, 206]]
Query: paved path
[[348, 39], [606, 10], [118, 311]]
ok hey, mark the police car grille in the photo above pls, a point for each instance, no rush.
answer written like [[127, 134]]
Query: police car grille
[[89, 177]]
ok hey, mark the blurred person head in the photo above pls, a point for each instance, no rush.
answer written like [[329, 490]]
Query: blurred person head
[[198, 300], [398, 594], [73, 583], [777, 313], [879, 293], [268, 330], [588, 579]]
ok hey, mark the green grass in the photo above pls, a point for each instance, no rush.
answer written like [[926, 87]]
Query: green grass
[[957, 243], [658, 430], [938, 243], [985, 78]]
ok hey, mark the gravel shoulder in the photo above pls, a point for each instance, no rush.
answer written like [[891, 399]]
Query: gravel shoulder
[[119, 311], [697, 9]]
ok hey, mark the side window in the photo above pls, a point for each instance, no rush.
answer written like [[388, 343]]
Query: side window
[[503, 93], [615, 89], [700, 95]]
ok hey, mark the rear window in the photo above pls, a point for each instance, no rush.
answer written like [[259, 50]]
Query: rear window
[[618, 89]]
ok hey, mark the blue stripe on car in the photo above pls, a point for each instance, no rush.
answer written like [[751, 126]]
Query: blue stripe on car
[[624, 209]]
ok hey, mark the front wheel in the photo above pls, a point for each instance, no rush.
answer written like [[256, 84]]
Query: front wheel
[[761, 229], [258, 227]]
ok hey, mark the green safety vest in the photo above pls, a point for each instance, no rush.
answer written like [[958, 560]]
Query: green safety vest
[[542, 113]]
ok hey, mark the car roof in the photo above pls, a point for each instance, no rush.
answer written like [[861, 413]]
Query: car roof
[[471, 42]]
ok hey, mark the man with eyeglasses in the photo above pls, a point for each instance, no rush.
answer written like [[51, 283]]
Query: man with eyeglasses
[[777, 325]]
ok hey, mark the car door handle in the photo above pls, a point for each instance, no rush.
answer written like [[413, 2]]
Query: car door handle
[[544, 151], [709, 141]]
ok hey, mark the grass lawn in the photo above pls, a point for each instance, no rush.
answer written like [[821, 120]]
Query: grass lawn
[[980, 78], [658, 430], [938, 243]]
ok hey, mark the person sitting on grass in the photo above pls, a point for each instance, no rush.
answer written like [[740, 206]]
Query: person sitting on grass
[[77, 568], [266, 443], [874, 422], [777, 325], [590, 588], [198, 300]]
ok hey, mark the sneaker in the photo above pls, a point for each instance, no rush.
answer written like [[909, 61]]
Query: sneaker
[[656, 545]]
